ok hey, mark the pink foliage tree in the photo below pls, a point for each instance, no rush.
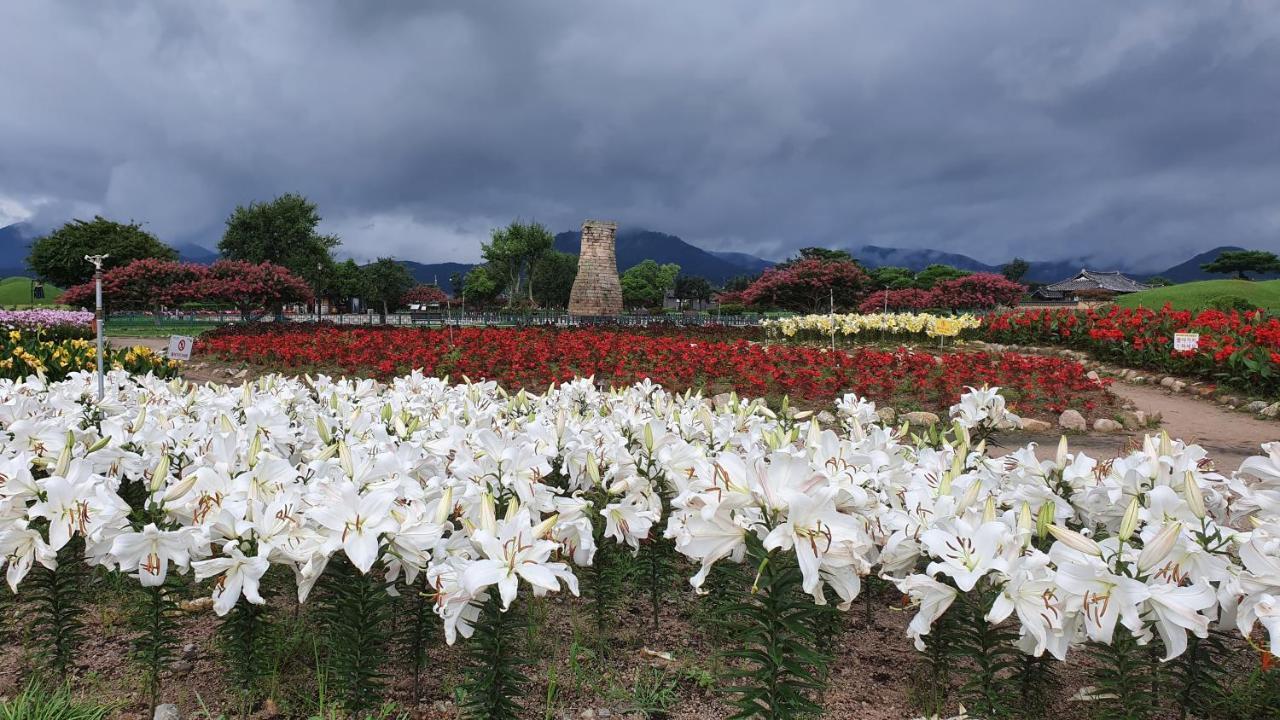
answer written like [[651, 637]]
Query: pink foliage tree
[[808, 285]]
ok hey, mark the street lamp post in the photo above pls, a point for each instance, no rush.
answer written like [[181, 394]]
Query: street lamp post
[[97, 313]]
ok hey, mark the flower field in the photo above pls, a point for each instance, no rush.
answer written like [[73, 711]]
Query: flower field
[[53, 344], [1236, 349], [921, 325], [381, 521], [535, 358]]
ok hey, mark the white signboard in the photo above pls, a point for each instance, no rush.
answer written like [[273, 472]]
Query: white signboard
[[180, 347], [1183, 342]]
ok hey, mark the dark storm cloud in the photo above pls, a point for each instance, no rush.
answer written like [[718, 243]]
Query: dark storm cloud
[[1134, 131]]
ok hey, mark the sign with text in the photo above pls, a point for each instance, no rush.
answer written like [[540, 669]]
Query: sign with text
[[1182, 342], [180, 347]]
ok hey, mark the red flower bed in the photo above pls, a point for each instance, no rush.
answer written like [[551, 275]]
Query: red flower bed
[[1240, 349], [536, 357]]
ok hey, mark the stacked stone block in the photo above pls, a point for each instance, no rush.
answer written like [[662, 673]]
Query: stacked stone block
[[597, 290]]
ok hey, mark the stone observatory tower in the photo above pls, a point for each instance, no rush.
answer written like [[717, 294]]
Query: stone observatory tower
[[597, 290]]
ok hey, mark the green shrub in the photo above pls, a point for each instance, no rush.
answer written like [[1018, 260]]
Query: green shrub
[[732, 309], [1227, 303]]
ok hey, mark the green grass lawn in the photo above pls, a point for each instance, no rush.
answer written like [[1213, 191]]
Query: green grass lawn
[[1198, 295], [143, 327], [16, 291]]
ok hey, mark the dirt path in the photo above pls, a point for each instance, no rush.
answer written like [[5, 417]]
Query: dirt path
[[1228, 436]]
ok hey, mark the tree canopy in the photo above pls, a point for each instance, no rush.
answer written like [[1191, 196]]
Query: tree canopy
[[1015, 269], [646, 284], [283, 232], [59, 256], [927, 278], [553, 277], [809, 285], [346, 283], [513, 253], [1243, 261], [387, 280], [693, 287], [891, 277]]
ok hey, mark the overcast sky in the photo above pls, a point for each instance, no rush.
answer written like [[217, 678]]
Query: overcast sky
[[1136, 131]]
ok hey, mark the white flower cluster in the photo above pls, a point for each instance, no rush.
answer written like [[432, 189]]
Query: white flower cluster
[[482, 491], [894, 323], [1151, 541]]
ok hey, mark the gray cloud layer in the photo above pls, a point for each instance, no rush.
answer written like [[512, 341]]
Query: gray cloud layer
[[1135, 131]]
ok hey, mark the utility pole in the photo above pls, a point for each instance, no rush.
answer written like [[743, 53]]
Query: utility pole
[[97, 314]]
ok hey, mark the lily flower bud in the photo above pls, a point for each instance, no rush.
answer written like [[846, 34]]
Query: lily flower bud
[[513, 507], [1166, 445], [1130, 520], [386, 413], [255, 447], [1195, 496], [593, 468], [323, 431], [989, 510], [179, 489], [401, 430], [160, 475], [814, 438], [1025, 521], [969, 497], [1159, 547], [140, 420], [445, 508], [344, 459], [328, 452], [488, 519], [64, 457], [1075, 540], [1061, 459], [543, 529], [98, 445], [1045, 518], [648, 437]]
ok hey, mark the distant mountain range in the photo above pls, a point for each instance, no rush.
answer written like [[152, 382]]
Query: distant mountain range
[[15, 244], [636, 245]]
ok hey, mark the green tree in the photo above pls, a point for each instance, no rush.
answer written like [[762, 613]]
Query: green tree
[[553, 277], [891, 277], [1159, 281], [738, 283], [936, 273], [1243, 261], [647, 283], [512, 252], [58, 257], [693, 287], [1015, 269], [482, 285], [347, 283], [387, 281], [818, 253], [283, 232]]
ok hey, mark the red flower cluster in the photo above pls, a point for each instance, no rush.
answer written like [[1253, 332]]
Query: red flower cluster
[[979, 291], [1241, 349], [534, 358], [152, 284]]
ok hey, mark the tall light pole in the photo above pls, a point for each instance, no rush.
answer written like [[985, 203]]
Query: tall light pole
[[97, 313]]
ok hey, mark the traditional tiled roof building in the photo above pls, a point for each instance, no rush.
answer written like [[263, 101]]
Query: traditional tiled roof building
[[1090, 282]]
